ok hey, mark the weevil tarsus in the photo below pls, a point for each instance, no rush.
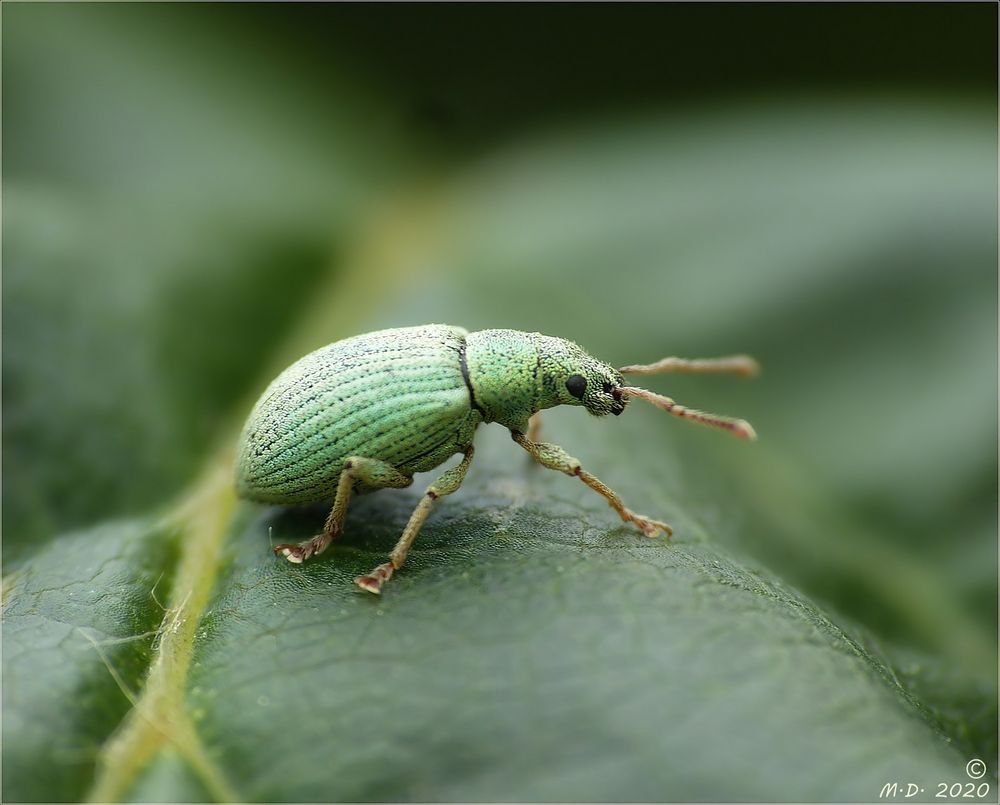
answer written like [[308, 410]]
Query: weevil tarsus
[[369, 471], [449, 481]]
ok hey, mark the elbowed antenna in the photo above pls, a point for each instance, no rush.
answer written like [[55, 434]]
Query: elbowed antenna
[[738, 427], [742, 365]]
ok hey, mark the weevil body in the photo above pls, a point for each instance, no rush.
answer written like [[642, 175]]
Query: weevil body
[[368, 412]]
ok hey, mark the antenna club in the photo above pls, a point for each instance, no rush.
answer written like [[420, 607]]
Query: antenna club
[[745, 366]]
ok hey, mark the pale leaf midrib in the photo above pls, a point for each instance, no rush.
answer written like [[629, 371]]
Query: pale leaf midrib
[[160, 714]]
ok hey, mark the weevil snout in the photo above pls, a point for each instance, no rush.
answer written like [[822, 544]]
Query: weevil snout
[[619, 401], [610, 399]]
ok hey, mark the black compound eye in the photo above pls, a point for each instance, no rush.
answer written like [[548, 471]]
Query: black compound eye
[[576, 385]]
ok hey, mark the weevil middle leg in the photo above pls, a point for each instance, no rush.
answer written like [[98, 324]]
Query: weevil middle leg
[[445, 485], [555, 458], [371, 472]]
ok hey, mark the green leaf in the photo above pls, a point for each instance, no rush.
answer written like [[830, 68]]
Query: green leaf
[[80, 629], [139, 291], [815, 629]]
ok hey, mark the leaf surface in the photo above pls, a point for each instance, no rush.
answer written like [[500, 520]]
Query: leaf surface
[[807, 635]]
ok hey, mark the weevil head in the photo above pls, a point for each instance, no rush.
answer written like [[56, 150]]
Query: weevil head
[[513, 374], [570, 376], [592, 384]]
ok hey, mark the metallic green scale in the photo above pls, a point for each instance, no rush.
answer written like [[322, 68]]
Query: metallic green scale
[[367, 412]]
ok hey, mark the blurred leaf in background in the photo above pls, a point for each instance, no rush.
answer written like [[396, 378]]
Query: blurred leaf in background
[[197, 195]]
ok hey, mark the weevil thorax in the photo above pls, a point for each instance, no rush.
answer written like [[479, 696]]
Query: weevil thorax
[[513, 375]]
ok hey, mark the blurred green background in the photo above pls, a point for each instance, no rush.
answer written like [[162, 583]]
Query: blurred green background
[[195, 195]]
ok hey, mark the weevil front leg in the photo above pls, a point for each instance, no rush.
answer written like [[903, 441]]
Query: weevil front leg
[[445, 485], [371, 472], [555, 458]]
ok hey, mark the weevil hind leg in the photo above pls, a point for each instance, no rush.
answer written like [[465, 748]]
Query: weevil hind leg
[[373, 474], [555, 458], [445, 485]]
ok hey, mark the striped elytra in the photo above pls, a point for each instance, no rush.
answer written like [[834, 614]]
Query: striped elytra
[[395, 395]]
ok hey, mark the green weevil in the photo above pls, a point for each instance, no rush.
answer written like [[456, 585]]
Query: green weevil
[[367, 412]]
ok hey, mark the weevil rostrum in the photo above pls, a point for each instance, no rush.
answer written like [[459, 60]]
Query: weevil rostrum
[[368, 412]]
